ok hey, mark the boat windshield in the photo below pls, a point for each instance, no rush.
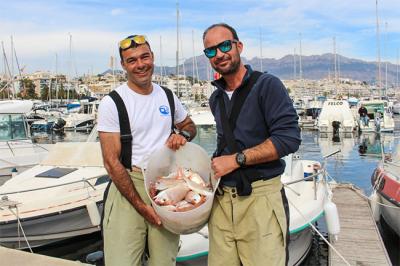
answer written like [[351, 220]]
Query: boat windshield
[[12, 127]]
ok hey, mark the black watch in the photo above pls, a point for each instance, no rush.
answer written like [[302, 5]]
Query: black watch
[[241, 159], [185, 134]]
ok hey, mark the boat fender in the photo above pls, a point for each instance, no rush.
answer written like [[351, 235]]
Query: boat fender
[[93, 212], [14, 172], [332, 218], [308, 170], [375, 208]]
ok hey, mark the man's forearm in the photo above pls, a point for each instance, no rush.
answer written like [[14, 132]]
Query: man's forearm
[[124, 184], [262, 153]]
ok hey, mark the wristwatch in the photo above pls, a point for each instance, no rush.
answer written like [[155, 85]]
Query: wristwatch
[[185, 134], [241, 159]]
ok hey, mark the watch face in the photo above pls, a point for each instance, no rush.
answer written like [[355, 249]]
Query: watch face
[[241, 159]]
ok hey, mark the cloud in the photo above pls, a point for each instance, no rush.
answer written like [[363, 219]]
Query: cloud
[[117, 11]]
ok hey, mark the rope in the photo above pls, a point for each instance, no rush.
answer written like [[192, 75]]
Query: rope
[[319, 233], [367, 198], [22, 229]]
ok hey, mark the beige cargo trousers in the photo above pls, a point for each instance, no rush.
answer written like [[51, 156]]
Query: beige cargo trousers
[[125, 231], [250, 230]]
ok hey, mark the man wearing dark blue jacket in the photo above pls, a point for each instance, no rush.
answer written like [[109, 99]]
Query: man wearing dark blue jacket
[[256, 126]]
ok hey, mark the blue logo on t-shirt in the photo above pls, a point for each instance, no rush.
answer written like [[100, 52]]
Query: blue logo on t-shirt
[[164, 110]]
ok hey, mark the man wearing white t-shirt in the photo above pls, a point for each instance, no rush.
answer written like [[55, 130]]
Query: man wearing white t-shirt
[[129, 219]]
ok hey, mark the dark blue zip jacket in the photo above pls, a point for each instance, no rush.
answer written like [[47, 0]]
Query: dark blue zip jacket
[[268, 112]]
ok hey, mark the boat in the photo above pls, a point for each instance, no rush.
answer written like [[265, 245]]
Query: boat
[[380, 117], [309, 118], [17, 152], [84, 119], [337, 117], [202, 116], [386, 183], [60, 198], [308, 201]]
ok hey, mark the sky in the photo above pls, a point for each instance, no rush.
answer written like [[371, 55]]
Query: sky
[[80, 36]]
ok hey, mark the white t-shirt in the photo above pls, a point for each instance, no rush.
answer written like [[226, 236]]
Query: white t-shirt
[[149, 118]]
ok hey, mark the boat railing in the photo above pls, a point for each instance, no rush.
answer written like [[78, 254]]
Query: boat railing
[[84, 180]]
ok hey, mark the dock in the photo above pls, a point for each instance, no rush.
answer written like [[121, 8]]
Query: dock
[[359, 240], [12, 257]]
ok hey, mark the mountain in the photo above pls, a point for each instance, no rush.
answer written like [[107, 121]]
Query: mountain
[[313, 67]]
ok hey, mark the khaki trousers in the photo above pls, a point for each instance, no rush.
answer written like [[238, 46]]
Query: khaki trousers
[[250, 230], [125, 232]]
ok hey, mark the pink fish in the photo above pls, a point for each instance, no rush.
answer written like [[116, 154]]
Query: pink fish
[[163, 183], [172, 195], [193, 197], [183, 206]]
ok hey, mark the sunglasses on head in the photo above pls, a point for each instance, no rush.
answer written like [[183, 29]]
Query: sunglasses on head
[[224, 47], [132, 41]]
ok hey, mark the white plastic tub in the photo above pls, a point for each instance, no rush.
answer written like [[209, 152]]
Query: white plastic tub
[[162, 163]]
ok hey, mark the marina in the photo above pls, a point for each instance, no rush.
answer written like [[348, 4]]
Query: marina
[[315, 146]]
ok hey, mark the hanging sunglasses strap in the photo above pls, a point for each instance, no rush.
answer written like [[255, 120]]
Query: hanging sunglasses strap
[[228, 126]]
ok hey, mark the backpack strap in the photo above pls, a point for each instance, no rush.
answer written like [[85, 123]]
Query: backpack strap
[[171, 102], [125, 130], [242, 176], [229, 126]]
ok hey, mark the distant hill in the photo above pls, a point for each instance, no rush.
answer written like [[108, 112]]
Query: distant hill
[[313, 67]]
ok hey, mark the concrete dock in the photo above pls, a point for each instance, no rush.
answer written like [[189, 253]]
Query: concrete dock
[[12, 257], [359, 240]]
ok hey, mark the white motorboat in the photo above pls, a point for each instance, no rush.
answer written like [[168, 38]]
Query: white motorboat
[[202, 116], [308, 201], [63, 196], [17, 152], [380, 117], [60, 198], [336, 116], [82, 120]]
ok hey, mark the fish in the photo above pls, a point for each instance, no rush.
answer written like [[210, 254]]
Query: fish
[[193, 197], [183, 206], [163, 183], [202, 190], [171, 208], [172, 195]]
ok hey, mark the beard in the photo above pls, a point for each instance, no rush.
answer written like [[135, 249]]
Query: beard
[[232, 67]]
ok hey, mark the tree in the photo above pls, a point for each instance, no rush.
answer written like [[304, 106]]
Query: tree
[[29, 92], [44, 93]]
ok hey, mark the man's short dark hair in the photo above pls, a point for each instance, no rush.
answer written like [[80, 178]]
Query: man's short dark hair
[[130, 36], [224, 25]]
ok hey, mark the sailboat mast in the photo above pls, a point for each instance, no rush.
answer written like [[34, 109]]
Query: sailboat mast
[[301, 71], [378, 49], [261, 54], [386, 58], [177, 48], [161, 64], [294, 64]]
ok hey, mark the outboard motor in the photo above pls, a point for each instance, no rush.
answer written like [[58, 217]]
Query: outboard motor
[[59, 125], [336, 126]]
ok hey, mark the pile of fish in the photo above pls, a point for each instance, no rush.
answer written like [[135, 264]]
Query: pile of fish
[[180, 191]]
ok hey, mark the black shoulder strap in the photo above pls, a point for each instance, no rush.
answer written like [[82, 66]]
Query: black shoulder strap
[[229, 126], [171, 102], [125, 130]]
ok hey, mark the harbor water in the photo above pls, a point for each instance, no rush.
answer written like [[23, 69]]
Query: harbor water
[[359, 155]]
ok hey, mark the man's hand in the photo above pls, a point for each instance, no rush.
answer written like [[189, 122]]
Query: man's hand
[[175, 141], [149, 214], [224, 165]]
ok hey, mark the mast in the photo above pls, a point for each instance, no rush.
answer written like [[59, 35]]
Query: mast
[[378, 49], [294, 64], [397, 69], [335, 62], [386, 59], [56, 76], [301, 70], [70, 58], [177, 48], [261, 54], [193, 58], [161, 64]]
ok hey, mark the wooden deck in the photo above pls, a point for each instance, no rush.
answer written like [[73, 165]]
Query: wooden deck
[[359, 241]]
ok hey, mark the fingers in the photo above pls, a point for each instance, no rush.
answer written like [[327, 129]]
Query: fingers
[[151, 216], [175, 141]]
